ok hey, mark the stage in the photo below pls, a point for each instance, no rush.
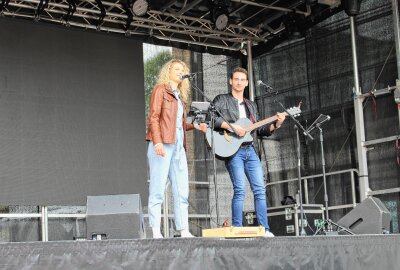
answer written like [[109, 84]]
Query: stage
[[309, 252]]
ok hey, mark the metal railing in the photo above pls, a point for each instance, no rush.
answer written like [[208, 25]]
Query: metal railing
[[43, 214], [305, 179]]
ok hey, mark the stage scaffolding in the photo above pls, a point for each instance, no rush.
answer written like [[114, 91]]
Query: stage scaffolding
[[326, 93]]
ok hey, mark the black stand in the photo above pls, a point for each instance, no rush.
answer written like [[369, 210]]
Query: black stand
[[212, 111], [321, 140], [327, 223], [297, 127], [302, 232]]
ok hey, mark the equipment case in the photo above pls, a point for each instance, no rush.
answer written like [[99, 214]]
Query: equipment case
[[285, 220]]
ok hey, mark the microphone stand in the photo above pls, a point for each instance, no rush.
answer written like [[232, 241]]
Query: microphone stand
[[213, 112], [327, 226], [298, 126], [321, 140], [317, 124]]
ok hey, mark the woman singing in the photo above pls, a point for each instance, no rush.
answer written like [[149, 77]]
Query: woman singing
[[166, 152]]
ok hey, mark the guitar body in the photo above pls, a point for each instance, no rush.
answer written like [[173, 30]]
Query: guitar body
[[227, 143]]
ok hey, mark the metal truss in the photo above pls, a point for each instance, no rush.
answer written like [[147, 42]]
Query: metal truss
[[167, 23]]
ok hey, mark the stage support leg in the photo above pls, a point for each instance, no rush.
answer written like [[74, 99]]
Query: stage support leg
[[359, 119], [44, 224], [396, 24]]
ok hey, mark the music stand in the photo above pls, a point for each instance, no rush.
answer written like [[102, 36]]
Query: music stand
[[327, 223], [202, 106], [199, 112]]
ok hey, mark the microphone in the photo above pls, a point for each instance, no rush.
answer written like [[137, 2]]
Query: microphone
[[189, 76], [260, 82]]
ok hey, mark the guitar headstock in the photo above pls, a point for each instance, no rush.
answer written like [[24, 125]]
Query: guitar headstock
[[294, 111]]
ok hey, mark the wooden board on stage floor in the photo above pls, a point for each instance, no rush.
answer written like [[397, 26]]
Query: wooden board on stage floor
[[235, 232]]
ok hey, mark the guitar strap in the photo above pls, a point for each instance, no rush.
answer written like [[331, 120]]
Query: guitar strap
[[253, 120]]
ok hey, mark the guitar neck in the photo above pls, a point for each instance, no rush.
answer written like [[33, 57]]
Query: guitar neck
[[294, 111], [261, 123]]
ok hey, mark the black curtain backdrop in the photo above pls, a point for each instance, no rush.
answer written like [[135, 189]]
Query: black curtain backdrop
[[71, 115]]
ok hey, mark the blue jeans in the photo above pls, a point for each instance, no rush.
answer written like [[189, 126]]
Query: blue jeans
[[245, 163], [173, 166]]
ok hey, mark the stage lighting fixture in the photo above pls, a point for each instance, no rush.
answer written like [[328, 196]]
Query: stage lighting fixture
[[293, 28], [140, 7], [352, 7], [219, 13], [221, 22], [102, 15], [70, 12], [40, 8], [129, 16], [3, 5]]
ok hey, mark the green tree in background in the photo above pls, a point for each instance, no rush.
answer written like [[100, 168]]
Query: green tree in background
[[151, 70]]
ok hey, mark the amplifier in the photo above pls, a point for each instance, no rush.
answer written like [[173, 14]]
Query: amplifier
[[285, 220]]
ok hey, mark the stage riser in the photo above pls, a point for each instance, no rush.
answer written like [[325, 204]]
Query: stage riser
[[319, 252]]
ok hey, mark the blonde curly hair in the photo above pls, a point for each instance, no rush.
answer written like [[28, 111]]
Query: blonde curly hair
[[183, 86]]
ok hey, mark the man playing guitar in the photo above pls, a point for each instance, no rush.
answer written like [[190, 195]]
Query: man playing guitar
[[245, 161]]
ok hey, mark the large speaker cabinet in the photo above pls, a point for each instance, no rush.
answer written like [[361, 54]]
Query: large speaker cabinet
[[114, 217], [369, 217]]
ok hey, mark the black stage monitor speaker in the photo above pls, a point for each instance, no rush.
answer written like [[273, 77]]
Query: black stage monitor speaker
[[114, 217], [369, 217]]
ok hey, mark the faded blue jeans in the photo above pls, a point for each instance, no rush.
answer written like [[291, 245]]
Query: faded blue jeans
[[245, 163], [173, 166]]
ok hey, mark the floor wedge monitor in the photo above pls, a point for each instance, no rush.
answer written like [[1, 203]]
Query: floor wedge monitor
[[369, 217]]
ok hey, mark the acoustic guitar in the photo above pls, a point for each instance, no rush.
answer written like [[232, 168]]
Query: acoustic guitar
[[227, 143]]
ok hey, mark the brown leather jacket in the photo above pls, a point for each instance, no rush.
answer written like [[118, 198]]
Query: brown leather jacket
[[162, 116]]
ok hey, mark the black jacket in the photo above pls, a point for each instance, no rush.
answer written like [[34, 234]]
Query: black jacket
[[227, 105]]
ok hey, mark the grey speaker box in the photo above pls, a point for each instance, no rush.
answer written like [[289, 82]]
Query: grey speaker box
[[369, 217], [114, 217]]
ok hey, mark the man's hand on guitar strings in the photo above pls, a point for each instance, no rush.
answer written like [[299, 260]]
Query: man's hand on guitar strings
[[239, 130]]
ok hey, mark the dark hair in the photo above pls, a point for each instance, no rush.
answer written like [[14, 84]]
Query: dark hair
[[239, 69]]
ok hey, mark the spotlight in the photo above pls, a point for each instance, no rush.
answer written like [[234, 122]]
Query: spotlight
[[352, 7], [3, 5], [140, 7], [129, 15], [219, 13], [221, 22], [293, 28]]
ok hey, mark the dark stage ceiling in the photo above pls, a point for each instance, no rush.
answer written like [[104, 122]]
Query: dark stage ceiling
[[213, 26]]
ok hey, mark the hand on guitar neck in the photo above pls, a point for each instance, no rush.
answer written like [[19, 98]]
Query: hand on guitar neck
[[280, 118]]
